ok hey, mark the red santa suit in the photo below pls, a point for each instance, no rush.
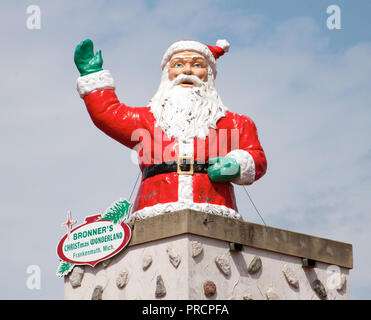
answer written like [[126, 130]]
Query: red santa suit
[[235, 137]]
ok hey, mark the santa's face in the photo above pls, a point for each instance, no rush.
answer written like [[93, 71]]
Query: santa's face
[[188, 63], [186, 104]]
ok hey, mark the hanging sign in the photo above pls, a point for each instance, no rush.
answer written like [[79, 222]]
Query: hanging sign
[[99, 238]]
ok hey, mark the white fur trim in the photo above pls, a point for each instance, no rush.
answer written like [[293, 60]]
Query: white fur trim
[[224, 44], [95, 81], [247, 166], [189, 45], [185, 182], [185, 188], [162, 208]]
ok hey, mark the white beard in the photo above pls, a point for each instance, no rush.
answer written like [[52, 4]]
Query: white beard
[[186, 113]]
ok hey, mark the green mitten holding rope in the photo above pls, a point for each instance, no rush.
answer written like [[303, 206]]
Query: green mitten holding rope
[[223, 169]]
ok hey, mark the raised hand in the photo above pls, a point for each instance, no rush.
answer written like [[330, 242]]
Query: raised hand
[[86, 61], [223, 169]]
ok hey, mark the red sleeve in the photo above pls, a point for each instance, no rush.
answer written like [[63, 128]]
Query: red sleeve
[[249, 141], [115, 119]]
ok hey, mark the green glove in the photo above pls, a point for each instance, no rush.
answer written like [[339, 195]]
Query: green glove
[[223, 169], [86, 61]]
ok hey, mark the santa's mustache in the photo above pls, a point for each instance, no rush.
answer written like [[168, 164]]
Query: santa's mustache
[[184, 78]]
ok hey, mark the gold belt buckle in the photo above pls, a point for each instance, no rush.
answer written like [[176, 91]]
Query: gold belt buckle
[[183, 160]]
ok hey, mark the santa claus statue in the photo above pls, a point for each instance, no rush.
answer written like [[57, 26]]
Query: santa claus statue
[[191, 149]]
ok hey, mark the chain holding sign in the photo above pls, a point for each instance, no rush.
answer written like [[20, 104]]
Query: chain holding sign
[[98, 239]]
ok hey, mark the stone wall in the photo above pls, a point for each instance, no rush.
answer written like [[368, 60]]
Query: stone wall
[[192, 266]]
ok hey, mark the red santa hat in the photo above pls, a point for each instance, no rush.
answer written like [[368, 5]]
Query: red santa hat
[[211, 53]]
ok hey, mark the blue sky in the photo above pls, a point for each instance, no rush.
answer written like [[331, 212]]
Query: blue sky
[[306, 87]]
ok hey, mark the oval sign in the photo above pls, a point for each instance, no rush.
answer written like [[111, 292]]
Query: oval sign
[[94, 241]]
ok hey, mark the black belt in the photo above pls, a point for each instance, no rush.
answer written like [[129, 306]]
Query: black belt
[[181, 167]]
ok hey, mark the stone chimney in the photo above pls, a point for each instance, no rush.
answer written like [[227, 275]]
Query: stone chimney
[[192, 255]]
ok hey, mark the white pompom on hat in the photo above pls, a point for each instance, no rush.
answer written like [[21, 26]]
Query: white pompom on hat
[[211, 53]]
